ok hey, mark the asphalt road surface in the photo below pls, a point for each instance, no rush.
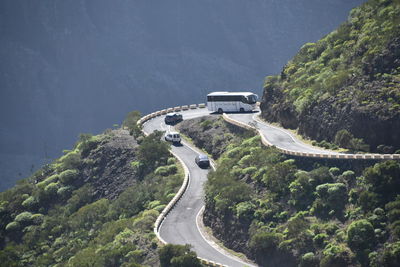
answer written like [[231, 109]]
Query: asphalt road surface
[[277, 136], [180, 226]]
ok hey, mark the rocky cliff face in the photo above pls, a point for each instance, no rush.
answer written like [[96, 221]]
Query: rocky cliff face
[[108, 168], [73, 67]]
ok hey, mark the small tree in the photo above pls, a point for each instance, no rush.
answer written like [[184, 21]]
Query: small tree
[[153, 152], [178, 256], [360, 235], [131, 123], [343, 138]]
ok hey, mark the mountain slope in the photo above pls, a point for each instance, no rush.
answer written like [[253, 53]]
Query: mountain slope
[[289, 211], [94, 206], [348, 80]]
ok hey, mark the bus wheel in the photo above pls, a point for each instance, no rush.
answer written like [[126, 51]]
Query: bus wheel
[[241, 109], [220, 111]]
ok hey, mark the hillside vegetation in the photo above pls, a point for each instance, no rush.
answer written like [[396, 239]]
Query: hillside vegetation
[[212, 133], [266, 205], [347, 82], [94, 206]]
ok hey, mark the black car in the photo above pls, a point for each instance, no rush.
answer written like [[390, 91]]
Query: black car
[[172, 118], [202, 161]]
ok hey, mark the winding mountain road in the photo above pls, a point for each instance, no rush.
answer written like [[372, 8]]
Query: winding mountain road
[[180, 226], [277, 136]]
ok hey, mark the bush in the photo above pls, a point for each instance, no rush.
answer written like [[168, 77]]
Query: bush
[[343, 138], [178, 256], [131, 123], [69, 176], [87, 142], [72, 160], [245, 210], [309, 260], [172, 169], [13, 226], [24, 217], [37, 218], [64, 192], [334, 171], [171, 161], [391, 255], [51, 179], [337, 255], [30, 203], [162, 170], [360, 235], [385, 179], [249, 170], [152, 152], [331, 197], [264, 242], [51, 189], [320, 239]]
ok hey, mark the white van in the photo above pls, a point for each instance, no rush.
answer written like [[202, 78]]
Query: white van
[[173, 137]]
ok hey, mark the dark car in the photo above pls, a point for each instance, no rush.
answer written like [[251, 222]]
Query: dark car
[[172, 118], [202, 161]]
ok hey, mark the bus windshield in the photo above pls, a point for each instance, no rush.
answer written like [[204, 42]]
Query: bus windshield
[[251, 99]]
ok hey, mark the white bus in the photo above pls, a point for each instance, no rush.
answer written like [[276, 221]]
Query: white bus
[[231, 101]]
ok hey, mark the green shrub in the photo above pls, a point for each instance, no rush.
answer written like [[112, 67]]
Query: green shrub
[[24, 217], [30, 203], [320, 239], [51, 179], [385, 179], [178, 256], [245, 160], [391, 254], [337, 255], [162, 170], [334, 171], [171, 161], [297, 225], [69, 176], [309, 260], [343, 138], [172, 169], [131, 122], [72, 160], [37, 218], [348, 176], [87, 142], [152, 152], [206, 124], [13, 226], [367, 200], [264, 241], [301, 190], [52, 188], [245, 210], [360, 235], [64, 192], [331, 197], [88, 215], [249, 170]]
